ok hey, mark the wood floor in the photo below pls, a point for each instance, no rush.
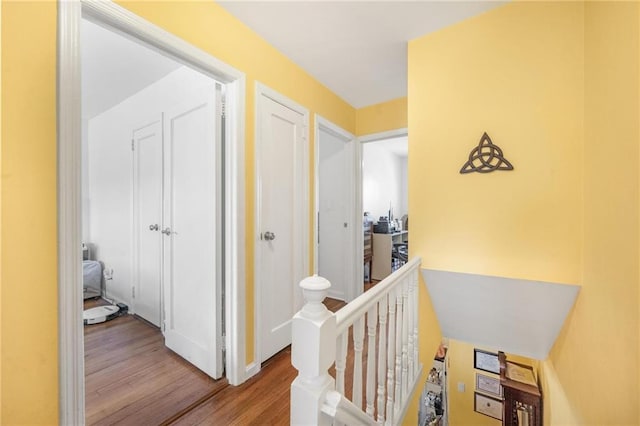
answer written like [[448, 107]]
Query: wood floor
[[131, 378]]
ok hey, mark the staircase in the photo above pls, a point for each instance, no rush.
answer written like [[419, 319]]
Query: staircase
[[384, 364]]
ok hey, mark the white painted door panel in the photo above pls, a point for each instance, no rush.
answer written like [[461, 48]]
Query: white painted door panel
[[192, 236], [333, 220], [147, 169], [280, 168]]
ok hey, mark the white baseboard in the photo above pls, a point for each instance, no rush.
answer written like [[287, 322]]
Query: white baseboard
[[251, 370]]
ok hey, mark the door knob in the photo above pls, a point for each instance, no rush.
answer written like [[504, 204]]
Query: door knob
[[269, 236], [153, 227], [167, 231]]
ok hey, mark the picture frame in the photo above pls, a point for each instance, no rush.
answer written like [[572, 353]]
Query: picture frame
[[487, 405], [488, 385], [486, 361]]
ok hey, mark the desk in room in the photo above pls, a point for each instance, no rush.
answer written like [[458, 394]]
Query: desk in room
[[382, 246]]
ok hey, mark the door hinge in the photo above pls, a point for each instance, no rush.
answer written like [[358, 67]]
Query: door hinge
[[133, 292], [223, 344], [164, 326], [132, 145], [223, 109]]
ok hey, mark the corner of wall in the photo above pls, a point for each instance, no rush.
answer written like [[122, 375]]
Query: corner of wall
[[382, 117]]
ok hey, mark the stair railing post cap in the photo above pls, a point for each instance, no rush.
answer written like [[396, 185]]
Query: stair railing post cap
[[315, 282]]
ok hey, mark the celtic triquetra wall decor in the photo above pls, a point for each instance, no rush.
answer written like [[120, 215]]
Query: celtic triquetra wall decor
[[485, 158]]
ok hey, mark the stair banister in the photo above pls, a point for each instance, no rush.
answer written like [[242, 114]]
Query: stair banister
[[313, 351], [388, 312]]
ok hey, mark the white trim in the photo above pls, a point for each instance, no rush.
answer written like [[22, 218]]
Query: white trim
[[301, 216], [354, 275], [372, 137], [252, 369], [71, 332], [71, 351]]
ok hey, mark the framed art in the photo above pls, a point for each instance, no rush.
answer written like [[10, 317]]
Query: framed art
[[488, 406], [488, 385], [486, 361]]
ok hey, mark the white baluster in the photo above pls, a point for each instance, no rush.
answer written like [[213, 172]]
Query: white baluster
[[391, 357], [372, 320], [341, 360], [382, 357], [358, 339], [416, 320], [312, 353], [398, 374], [410, 351], [405, 339]]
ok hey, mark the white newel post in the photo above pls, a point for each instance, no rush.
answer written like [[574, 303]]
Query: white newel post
[[313, 350]]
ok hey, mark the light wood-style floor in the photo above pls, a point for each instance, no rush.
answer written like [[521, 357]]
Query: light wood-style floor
[[131, 378]]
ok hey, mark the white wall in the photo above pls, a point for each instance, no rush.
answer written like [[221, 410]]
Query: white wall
[[110, 172], [384, 181], [84, 149]]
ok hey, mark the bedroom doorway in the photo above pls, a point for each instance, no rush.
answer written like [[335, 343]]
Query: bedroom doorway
[[76, 194], [152, 149]]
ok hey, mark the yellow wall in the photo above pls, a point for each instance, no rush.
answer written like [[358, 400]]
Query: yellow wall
[[382, 117], [556, 87], [499, 73], [28, 190], [461, 370], [607, 309]]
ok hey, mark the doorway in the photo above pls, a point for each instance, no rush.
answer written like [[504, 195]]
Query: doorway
[[282, 246], [69, 187], [336, 254], [385, 200]]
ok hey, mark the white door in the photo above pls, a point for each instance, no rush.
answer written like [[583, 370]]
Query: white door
[[147, 195], [282, 250], [334, 200], [192, 232]]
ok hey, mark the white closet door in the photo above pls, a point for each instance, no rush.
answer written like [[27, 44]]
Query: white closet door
[[192, 232], [147, 194], [281, 250]]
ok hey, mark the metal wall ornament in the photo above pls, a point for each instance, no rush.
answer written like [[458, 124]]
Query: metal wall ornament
[[485, 158]]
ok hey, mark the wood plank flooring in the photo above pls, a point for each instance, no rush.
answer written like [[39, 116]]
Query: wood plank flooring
[[131, 378]]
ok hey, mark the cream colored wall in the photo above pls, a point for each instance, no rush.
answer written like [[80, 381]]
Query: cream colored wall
[[28, 192], [28, 200], [556, 87]]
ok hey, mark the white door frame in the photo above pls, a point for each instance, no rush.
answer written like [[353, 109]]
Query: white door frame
[[301, 215], [372, 137], [71, 339], [354, 274]]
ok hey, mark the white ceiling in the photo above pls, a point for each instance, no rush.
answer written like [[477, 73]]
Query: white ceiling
[[358, 49], [114, 68]]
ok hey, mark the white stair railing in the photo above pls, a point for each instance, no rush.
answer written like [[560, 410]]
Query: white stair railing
[[377, 331]]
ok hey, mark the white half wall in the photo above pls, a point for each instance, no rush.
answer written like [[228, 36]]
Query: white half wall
[[517, 316], [384, 178], [110, 172]]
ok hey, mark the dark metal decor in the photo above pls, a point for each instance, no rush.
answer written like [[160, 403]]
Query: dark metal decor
[[485, 158]]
